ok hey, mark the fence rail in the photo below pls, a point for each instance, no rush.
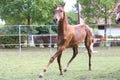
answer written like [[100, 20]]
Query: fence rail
[[38, 40]]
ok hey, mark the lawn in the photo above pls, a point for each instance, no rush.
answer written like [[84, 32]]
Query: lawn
[[28, 64]]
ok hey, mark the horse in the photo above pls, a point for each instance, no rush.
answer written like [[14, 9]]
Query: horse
[[69, 36], [117, 11]]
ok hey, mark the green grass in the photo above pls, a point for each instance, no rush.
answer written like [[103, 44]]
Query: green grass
[[27, 66]]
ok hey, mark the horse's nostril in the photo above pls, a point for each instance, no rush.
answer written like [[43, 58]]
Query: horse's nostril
[[55, 20], [119, 19]]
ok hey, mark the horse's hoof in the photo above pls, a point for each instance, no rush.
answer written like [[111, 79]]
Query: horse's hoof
[[90, 69], [65, 70], [61, 73], [41, 76]]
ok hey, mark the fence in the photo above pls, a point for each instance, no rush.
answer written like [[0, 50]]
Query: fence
[[19, 36], [27, 36]]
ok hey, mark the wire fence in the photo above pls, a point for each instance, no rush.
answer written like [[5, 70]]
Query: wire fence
[[12, 35], [20, 36]]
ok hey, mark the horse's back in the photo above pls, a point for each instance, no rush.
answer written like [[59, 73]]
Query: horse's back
[[78, 34]]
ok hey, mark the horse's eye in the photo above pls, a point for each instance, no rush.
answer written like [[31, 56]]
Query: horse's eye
[[61, 11]]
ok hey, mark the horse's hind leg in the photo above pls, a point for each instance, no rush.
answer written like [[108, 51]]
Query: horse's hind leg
[[89, 46], [75, 52]]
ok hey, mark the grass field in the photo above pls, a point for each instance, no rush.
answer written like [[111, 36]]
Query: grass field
[[27, 66]]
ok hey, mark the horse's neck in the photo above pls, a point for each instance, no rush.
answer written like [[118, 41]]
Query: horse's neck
[[62, 27]]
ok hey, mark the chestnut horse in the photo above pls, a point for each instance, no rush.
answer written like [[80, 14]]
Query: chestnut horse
[[69, 36], [117, 19], [117, 12]]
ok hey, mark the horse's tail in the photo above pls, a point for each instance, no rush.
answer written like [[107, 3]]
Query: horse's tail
[[90, 35], [89, 40]]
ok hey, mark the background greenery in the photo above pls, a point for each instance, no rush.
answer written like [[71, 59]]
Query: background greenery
[[41, 11], [27, 11], [97, 9]]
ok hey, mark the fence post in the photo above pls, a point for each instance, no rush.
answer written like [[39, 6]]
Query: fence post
[[19, 39], [50, 41]]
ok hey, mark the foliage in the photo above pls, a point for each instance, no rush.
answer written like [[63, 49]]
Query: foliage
[[14, 30], [72, 17], [95, 9], [14, 40], [46, 29], [27, 11], [10, 35]]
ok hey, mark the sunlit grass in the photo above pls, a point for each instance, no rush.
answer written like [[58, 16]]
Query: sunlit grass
[[27, 66]]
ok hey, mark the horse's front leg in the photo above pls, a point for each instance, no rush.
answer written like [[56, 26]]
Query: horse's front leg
[[59, 63], [58, 53]]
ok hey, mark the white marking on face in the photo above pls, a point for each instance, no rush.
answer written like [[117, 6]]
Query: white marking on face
[[57, 8], [117, 17]]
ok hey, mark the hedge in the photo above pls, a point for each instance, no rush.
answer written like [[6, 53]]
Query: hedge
[[7, 41]]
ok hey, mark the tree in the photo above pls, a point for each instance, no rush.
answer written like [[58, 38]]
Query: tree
[[27, 11], [95, 9], [72, 17]]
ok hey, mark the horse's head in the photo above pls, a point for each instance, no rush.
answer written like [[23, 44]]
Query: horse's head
[[58, 13], [117, 19]]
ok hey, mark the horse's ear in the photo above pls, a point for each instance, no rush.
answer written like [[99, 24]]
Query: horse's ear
[[118, 6], [63, 5], [55, 5]]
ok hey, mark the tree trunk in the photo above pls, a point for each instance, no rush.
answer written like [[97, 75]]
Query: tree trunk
[[28, 30], [105, 26], [78, 13]]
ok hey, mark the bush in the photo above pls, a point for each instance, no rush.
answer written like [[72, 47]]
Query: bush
[[11, 40], [46, 29], [8, 38]]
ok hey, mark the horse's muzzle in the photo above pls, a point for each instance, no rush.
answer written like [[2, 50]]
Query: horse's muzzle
[[55, 20], [117, 21]]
